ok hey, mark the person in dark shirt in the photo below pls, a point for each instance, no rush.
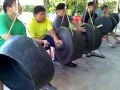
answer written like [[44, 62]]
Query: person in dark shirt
[[106, 13], [89, 13], [62, 19]]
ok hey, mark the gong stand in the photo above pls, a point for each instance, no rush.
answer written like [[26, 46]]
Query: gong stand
[[117, 27], [92, 53]]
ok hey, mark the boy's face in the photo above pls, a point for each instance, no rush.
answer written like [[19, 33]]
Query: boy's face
[[105, 9], [61, 12], [14, 9], [91, 8], [40, 17]]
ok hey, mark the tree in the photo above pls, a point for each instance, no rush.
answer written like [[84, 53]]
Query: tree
[[75, 6], [46, 5]]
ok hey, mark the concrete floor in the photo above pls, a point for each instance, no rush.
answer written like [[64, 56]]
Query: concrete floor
[[92, 73]]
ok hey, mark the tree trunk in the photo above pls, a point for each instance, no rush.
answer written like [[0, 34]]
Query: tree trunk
[[46, 5]]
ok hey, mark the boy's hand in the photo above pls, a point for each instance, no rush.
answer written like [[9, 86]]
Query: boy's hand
[[81, 29], [58, 42], [45, 43]]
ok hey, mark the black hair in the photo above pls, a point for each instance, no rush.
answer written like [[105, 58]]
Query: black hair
[[61, 6], [90, 3], [103, 7], [7, 3], [38, 9]]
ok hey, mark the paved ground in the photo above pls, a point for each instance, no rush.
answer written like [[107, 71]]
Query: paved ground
[[92, 73]]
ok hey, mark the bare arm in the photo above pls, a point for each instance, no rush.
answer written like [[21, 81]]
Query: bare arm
[[6, 36], [75, 24], [55, 37], [53, 34], [1, 85], [78, 27], [45, 42]]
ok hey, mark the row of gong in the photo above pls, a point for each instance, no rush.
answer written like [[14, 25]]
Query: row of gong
[[77, 43], [25, 65]]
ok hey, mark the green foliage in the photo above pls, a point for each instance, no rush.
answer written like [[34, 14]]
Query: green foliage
[[75, 6], [112, 4], [28, 8], [52, 7]]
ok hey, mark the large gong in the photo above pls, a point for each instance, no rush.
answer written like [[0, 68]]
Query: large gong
[[24, 65], [73, 45], [116, 16], [106, 24], [93, 38], [114, 22]]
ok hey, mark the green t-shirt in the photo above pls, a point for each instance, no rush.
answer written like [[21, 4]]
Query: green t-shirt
[[5, 24]]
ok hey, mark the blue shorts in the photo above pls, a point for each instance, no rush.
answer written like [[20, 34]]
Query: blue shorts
[[50, 40]]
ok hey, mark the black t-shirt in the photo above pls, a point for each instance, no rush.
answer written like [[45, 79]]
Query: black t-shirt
[[60, 21], [86, 17]]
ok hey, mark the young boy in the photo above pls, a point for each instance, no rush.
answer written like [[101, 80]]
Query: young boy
[[98, 12], [89, 13], [62, 19], [105, 12], [38, 29], [6, 19]]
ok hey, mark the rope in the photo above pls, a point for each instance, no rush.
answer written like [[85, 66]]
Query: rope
[[91, 21], [93, 30], [11, 28], [32, 38], [17, 6], [67, 18], [14, 23]]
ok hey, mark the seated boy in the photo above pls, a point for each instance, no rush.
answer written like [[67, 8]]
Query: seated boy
[[38, 28], [89, 13], [62, 20], [104, 10]]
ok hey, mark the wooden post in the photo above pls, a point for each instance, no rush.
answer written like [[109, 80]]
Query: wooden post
[[119, 6]]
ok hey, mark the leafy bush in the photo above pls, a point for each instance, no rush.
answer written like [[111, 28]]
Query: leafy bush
[[28, 8], [75, 6], [112, 5]]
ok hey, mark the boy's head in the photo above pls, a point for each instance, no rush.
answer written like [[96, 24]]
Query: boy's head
[[39, 13], [61, 9], [10, 6], [104, 8], [91, 7]]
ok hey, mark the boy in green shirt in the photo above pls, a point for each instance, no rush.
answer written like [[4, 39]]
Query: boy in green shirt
[[10, 13], [6, 21]]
